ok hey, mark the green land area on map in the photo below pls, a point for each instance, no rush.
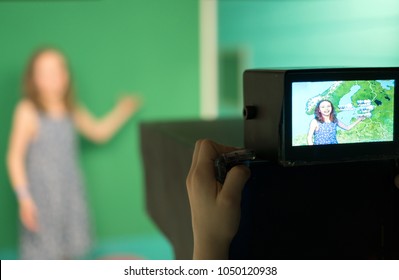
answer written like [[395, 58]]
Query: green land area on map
[[377, 127]]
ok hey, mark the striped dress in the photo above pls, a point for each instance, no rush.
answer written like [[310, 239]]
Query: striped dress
[[56, 187]]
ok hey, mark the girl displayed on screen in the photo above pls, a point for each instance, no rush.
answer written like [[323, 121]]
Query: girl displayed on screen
[[341, 112]]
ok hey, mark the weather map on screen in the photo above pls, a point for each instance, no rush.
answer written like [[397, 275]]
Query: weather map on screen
[[339, 112]]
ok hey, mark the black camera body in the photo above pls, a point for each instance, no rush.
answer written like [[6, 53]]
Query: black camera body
[[279, 105], [328, 141]]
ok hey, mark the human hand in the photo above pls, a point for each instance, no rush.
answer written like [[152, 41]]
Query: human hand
[[215, 208], [128, 104], [396, 181], [28, 214]]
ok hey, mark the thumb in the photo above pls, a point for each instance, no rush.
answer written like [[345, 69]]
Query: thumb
[[234, 183]]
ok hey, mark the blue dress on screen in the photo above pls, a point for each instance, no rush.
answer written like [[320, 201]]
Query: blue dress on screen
[[326, 134]]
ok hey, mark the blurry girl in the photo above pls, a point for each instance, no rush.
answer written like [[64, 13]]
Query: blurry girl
[[43, 160], [323, 128]]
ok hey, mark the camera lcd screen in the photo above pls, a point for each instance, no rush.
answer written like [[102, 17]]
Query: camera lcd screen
[[342, 112]]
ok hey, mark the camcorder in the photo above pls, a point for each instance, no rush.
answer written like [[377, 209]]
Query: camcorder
[[327, 145], [353, 112]]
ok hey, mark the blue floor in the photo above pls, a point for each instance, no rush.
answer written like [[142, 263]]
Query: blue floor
[[154, 247], [150, 247], [8, 254]]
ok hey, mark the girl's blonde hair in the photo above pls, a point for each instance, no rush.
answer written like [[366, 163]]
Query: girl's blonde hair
[[28, 85]]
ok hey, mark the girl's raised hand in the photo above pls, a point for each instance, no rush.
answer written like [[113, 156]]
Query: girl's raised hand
[[129, 104]]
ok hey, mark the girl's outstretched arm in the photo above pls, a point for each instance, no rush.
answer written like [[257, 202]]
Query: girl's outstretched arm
[[312, 128], [23, 131], [101, 130], [349, 127]]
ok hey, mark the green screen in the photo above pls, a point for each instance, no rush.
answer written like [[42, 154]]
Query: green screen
[[114, 47]]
